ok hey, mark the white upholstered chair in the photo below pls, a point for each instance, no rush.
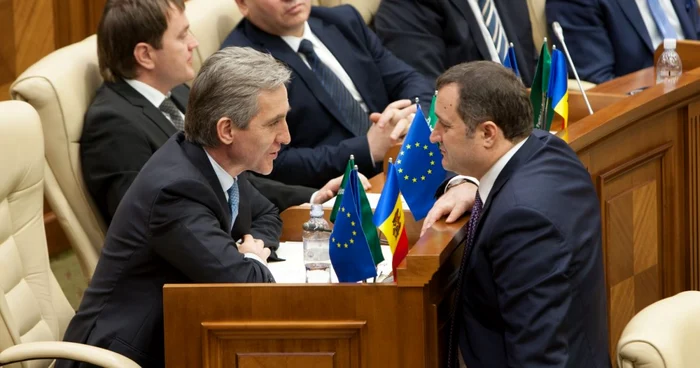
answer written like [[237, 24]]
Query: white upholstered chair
[[60, 87], [663, 335], [210, 22], [34, 313]]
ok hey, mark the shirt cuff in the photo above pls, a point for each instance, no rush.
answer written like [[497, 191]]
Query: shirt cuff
[[460, 178], [311, 200], [255, 257]]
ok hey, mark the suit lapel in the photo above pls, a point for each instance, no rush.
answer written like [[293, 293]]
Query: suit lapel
[[686, 23], [462, 6], [632, 13], [136, 99], [515, 162], [281, 51], [195, 153]]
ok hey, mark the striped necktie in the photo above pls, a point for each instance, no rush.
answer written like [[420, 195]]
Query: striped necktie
[[471, 232], [495, 27], [661, 20], [356, 118]]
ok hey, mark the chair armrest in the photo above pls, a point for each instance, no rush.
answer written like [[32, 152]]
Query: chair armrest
[[65, 350]]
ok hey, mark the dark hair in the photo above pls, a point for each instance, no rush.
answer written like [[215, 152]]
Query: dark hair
[[124, 24], [489, 91]]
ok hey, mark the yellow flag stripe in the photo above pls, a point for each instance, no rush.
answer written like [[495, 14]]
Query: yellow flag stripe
[[387, 227]]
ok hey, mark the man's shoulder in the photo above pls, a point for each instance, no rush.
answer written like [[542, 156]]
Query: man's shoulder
[[110, 110], [338, 15], [239, 36]]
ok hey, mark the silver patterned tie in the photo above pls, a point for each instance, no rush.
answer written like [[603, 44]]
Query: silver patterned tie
[[168, 107]]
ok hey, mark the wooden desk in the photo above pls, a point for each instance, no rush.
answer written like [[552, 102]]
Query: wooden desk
[[643, 154]]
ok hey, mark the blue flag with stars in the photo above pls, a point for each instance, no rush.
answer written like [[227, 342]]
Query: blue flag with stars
[[419, 167], [349, 251]]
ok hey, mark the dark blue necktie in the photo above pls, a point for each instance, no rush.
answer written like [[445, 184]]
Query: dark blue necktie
[[471, 230], [355, 118], [233, 201], [495, 27], [661, 20]]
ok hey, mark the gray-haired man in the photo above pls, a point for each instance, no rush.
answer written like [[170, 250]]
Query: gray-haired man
[[182, 217]]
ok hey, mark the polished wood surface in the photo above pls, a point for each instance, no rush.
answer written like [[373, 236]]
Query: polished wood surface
[[627, 84]]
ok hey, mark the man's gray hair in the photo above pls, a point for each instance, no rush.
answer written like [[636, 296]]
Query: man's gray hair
[[228, 85]]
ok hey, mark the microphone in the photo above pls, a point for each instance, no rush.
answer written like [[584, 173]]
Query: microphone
[[560, 35]]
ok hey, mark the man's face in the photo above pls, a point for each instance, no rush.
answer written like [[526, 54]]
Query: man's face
[[258, 145], [173, 61], [460, 151], [277, 17]]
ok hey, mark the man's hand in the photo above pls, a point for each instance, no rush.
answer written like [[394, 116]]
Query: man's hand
[[331, 188], [455, 202], [255, 246], [389, 126]]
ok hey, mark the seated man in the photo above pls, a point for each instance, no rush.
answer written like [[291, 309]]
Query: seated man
[[142, 102], [433, 35], [340, 73], [191, 215], [611, 38], [531, 287]]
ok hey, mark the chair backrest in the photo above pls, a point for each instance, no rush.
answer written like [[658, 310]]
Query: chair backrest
[[538, 20], [210, 22], [60, 87], [32, 305], [367, 8], [663, 335]]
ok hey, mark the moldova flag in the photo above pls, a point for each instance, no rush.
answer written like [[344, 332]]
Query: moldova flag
[[558, 92], [390, 218]]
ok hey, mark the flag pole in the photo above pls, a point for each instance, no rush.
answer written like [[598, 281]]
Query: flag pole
[[560, 34]]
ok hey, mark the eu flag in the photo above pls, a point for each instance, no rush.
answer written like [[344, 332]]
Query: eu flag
[[349, 250], [419, 167], [511, 62]]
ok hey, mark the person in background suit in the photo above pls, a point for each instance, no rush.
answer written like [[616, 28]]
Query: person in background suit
[[142, 102], [610, 38], [433, 35], [190, 216], [340, 74], [531, 287]]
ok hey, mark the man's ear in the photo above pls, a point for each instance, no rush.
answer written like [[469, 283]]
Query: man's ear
[[225, 131], [243, 7], [489, 132], [143, 53]]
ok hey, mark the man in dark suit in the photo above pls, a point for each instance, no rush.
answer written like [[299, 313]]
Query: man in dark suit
[[340, 74], [190, 215], [531, 288], [611, 38], [433, 35], [142, 103]]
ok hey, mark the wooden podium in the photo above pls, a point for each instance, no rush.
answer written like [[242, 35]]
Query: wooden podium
[[643, 154]]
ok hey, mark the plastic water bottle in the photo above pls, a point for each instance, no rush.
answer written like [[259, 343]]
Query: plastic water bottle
[[316, 257], [669, 66]]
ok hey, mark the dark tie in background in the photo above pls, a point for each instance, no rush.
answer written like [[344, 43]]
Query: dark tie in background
[[471, 229], [356, 118], [233, 202], [495, 27], [168, 107], [661, 20]]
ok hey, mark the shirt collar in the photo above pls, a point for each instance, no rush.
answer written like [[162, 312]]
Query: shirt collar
[[225, 179], [153, 95], [294, 41], [489, 179]]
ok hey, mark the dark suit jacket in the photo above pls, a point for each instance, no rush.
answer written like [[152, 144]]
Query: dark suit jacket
[[433, 35], [123, 129], [171, 227], [321, 144], [608, 38], [533, 292]]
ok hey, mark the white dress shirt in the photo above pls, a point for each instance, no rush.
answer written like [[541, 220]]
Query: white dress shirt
[[667, 6], [474, 4], [226, 181], [489, 179], [327, 58], [153, 95]]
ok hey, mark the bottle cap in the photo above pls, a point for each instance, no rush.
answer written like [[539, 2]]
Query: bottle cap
[[316, 210], [669, 43]]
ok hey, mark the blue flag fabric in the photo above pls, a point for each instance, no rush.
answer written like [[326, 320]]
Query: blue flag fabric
[[349, 251], [419, 167], [511, 62]]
